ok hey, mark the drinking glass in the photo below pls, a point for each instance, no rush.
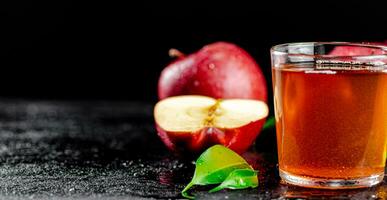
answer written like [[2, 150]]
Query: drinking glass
[[330, 102]]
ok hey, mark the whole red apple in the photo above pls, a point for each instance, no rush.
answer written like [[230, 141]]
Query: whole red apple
[[193, 123], [219, 70], [356, 50]]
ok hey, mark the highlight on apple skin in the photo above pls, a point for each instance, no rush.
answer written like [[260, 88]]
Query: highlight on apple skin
[[218, 70], [191, 123]]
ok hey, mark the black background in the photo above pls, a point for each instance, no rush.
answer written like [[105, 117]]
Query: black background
[[109, 50]]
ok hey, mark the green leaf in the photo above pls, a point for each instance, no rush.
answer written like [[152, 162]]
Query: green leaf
[[214, 165], [239, 179], [270, 123]]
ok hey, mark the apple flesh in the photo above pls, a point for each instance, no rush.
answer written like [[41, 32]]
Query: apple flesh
[[194, 123], [218, 70]]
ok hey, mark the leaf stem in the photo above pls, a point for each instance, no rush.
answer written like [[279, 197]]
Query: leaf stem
[[184, 192]]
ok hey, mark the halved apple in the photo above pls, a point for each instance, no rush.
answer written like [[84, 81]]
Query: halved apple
[[194, 123]]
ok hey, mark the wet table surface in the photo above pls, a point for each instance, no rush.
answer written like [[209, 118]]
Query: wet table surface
[[110, 150]]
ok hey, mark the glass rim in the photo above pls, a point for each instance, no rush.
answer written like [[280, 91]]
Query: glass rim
[[280, 49]]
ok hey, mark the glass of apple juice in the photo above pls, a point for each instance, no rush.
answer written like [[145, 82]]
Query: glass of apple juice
[[330, 101]]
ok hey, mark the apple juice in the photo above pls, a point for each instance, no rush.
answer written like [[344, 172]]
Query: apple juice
[[331, 123]]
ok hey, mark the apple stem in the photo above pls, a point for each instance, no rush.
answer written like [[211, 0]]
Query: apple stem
[[174, 53]]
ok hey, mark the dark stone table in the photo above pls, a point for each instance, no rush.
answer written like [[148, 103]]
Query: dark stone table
[[110, 150]]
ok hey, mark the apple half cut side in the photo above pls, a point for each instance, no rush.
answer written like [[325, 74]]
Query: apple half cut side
[[194, 123]]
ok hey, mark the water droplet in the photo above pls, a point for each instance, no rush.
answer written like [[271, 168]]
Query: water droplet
[[196, 83], [211, 66], [210, 130]]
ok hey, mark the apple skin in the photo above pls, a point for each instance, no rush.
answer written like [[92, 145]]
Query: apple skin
[[218, 70], [237, 139], [356, 51]]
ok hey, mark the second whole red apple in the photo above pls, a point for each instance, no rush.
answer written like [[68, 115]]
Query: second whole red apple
[[358, 51]]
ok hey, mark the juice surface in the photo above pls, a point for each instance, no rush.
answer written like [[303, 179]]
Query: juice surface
[[331, 123]]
